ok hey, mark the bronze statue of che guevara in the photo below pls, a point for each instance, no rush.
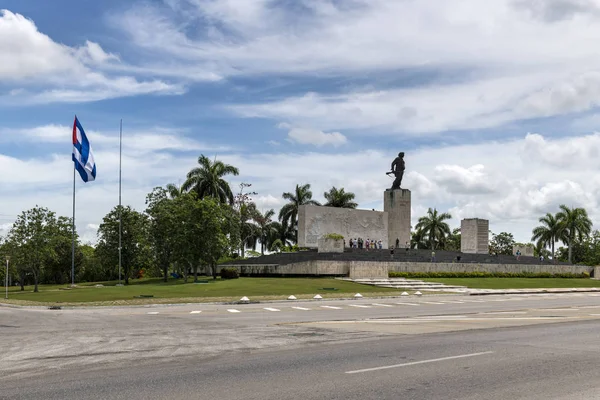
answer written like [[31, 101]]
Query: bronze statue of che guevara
[[398, 167]]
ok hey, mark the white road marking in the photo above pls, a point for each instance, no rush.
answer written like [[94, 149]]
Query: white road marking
[[271, 309], [419, 362], [382, 305], [359, 306], [559, 309], [301, 308], [332, 307], [195, 312], [442, 317], [453, 302], [595, 315], [474, 301], [431, 302], [407, 304], [504, 312], [233, 310], [153, 312]]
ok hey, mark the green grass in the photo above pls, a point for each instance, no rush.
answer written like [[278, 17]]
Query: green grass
[[176, 290], [517, 283]]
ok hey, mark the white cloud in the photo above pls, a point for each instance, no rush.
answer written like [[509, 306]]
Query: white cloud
[[485, 64], [471, 180], [40, 70], [316, 137]]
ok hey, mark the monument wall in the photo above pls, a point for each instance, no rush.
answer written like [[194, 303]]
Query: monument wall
[[474, 236], [316, 221]]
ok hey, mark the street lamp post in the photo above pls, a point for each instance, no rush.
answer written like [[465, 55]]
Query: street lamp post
[[6, 278]]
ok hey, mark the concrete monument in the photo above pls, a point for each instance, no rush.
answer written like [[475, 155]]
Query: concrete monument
[[474, 236], [397, 205], [314, 222]]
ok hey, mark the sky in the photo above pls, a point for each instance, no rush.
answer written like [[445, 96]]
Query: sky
[[495, 103]]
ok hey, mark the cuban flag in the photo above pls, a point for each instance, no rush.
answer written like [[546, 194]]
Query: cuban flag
[[82, 153]]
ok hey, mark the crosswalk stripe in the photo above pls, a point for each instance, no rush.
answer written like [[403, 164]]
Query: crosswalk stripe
[[332, 307], [301, 308], [195, 312], [359, 306], [233, 310], [271, 309], [382, 305]]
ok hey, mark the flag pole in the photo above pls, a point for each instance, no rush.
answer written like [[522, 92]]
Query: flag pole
[[120, 211], [73, 234]]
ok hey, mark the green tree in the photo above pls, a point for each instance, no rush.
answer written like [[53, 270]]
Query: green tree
[[135, 252], [288, 215], [162, 225], [434, 227], [207, 180], [249, 232], [418, 240], [548, 233], [452, 242], [57, 268], [502, 243], [574, 225], [265, 228], [32, 237], [339, 198]]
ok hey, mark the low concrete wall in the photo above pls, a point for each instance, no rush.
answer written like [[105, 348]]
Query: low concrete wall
[[327, 245], [374, 269], [367, 271]]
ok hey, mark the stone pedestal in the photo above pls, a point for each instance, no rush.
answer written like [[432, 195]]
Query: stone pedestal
[[474, 236], [328, 245], [397, 205]]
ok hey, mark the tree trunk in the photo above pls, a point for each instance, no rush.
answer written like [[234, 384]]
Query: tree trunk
[[35, 282], [166, 272], [570, 251], [214, 270], [196, 272], [22, 280], [553, 260]]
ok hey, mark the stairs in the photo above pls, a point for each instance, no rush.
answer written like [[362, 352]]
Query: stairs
[[408, 284]]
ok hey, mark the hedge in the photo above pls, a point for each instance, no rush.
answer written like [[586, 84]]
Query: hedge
[[484, 274]]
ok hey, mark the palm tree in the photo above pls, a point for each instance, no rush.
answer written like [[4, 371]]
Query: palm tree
[[339, 198], [265, 227], [207, 180], [281, 233], [433, 226], [548, 233], [174, 191], [248, 230], [574, 225], [289, 213]]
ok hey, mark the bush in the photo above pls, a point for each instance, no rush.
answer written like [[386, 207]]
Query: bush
[[229, 273], [334, 236], [484, 274]]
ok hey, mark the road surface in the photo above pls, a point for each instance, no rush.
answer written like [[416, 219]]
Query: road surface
[[451, 347]]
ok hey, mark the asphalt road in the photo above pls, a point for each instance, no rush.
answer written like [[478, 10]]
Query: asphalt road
[[518, 347]]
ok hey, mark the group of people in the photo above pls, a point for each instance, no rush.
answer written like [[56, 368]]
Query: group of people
[[359, 243]]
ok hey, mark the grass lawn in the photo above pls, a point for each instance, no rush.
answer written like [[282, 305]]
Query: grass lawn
[[177, 291], [517, 283]]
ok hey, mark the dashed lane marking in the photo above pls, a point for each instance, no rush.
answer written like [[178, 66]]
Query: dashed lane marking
[[195, 312], [407, 304], [301, 308], [359, 306], [432, 302], [153, 312], [332, 307], [272, 309], [233, 310], [382, 305]]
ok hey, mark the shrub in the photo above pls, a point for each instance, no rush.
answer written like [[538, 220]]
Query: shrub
[[229, 273], [334, 236], [484, 274]]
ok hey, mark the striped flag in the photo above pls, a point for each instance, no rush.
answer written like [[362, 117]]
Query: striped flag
[[82, 153]]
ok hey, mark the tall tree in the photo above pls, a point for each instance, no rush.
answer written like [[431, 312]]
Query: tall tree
[[32, 240], [433, 225], [502, 243], [207, 180], [265, 227], [288, 214], [452, 242], [339, 198], [574, 225], [162, 225], [249, 233], [135, 252], [548, 233]]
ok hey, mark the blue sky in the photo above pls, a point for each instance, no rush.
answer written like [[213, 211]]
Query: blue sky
[[495, 104]]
